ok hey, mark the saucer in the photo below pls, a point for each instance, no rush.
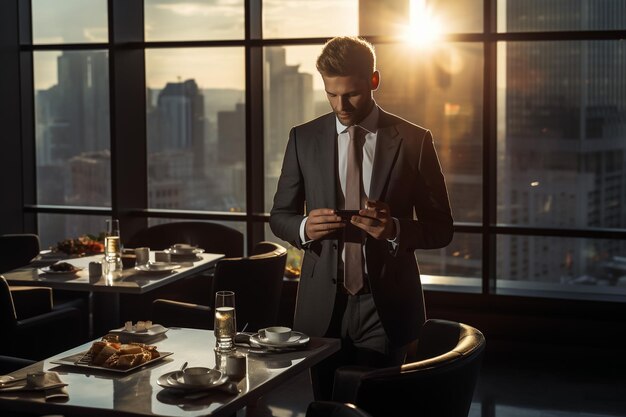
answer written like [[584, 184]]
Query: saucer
[[47, 270], [157, 267], [297, 339], [175, 380]]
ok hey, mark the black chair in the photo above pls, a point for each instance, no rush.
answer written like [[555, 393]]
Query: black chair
[[439, 383], [17, 250], [212, 237], [32, 328], [334, 409], [10, 364], [257, 282]]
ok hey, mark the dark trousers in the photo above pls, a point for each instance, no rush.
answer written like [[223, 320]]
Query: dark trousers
[[363, 342]]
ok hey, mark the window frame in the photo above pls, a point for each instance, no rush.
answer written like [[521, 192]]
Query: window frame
[[126, 48]]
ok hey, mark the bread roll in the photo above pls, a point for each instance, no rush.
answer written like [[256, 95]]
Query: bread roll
[[104, 354], [96, 347], [125, 361], [111, 361], [130, 349]]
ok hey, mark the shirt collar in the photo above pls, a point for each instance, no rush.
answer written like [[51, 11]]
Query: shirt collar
[[369, 123]]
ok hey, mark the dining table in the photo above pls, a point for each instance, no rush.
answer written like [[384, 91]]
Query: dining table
[[93, 391], [105, 289]]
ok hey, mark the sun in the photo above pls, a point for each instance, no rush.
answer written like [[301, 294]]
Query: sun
[[424, 28]]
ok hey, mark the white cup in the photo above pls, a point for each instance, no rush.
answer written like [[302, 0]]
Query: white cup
[[277, 334], [236, 364], [36, 379], [161, 256], [199, 375], [142, 256]]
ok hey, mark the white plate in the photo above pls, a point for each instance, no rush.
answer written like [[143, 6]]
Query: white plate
[[153, 331], [297, 339], [175, 380], [81, 360], [47, 270], [157, 267]]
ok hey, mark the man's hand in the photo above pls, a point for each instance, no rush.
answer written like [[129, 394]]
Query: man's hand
[[322, 222], [375, 219]]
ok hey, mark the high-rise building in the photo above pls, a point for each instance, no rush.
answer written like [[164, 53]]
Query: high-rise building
[[180, 121], [231, 138], [563, 153], [289, 102]]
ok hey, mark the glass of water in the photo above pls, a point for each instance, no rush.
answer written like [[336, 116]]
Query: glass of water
[[112, 245], [225, 324]]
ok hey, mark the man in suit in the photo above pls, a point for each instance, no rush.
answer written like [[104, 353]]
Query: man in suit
[[360, 157]]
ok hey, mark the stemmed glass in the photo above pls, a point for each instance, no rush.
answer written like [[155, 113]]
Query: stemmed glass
[[225, 324], [112, 245]]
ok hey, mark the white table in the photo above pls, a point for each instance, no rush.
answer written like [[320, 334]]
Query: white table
[[104, 290], [106, 393]]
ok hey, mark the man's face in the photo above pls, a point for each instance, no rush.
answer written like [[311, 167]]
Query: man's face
[[350, 97]]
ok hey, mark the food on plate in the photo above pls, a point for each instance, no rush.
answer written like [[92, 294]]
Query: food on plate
[[141, 326], [81, 245], [109, 353], [62, 267]]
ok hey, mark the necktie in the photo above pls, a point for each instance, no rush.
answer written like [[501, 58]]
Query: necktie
[[353, 244]]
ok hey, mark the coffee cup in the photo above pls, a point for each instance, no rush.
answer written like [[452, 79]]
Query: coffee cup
[[142, 256], [161, 256], [277, 334], [198, 375], [36, 379]]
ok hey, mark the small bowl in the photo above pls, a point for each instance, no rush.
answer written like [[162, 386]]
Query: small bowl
[[198, 375], [277, 334]]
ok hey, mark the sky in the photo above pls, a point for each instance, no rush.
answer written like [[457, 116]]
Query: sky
[[85, 21]]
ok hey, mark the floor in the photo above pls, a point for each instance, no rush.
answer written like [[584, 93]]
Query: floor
[[506, 388]]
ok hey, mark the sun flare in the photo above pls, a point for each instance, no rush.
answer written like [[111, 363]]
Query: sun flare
[[424, 28]]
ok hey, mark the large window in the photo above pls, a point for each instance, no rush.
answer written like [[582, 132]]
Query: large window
[[167, 109]]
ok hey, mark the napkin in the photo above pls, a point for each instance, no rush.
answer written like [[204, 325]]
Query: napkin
[[52, 387]]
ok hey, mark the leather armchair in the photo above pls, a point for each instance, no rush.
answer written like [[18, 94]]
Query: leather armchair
[[32, 328], [257, 282], [196, 289], [440, 381], [17, 250], [212, 237]]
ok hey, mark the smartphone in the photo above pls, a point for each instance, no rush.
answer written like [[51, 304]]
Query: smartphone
[[346, 215]]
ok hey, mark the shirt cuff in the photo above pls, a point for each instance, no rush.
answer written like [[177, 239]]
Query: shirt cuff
[[303, 240], [394, 241]]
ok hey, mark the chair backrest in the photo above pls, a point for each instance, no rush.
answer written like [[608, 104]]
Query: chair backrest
[[257, 282], [17, 250], [8, 318], [212, 237], [440, 384]]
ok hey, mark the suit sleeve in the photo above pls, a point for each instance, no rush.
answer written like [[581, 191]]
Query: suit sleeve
[[433, 226], [288, 209]]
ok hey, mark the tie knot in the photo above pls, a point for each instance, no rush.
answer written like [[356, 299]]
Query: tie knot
[[353, 131]]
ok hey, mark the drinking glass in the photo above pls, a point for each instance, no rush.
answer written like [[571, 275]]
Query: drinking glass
[[225, 322], [112, 246]]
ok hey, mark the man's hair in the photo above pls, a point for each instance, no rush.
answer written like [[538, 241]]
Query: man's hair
[[347, 55]]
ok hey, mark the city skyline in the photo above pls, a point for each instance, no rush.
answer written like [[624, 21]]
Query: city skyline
[[560, 145]]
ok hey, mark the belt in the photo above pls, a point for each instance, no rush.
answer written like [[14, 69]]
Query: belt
[[341, 289]]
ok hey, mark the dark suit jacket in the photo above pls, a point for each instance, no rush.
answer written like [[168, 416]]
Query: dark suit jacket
[[406, 175]]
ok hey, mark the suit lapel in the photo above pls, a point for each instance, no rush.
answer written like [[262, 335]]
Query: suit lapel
[[326, 150], [387, 144]]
